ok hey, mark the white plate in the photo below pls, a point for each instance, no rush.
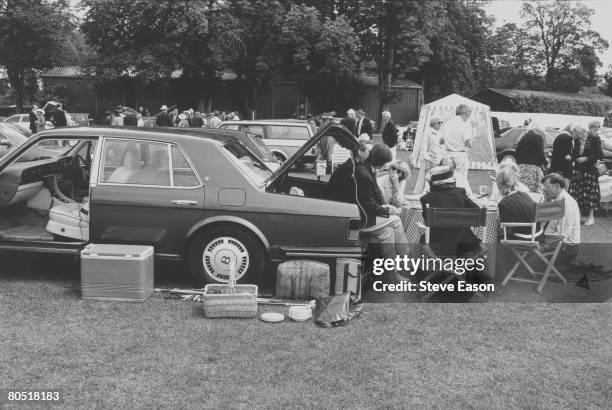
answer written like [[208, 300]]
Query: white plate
[[272, 317]]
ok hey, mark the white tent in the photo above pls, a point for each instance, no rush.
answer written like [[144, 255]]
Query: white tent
[[482, 154]]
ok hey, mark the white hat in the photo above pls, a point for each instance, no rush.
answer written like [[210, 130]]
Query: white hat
[[441, 175], [164, 107]]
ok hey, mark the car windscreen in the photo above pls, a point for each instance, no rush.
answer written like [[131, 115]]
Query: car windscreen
[[252, 166]]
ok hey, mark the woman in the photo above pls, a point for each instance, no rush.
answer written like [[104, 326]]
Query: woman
[[516, 206], [584, 186], [562, 154], [510, 163], [531, 160]]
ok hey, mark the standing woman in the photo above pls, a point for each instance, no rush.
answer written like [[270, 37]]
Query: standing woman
[[563, 154], [584, 186], [531, 160]]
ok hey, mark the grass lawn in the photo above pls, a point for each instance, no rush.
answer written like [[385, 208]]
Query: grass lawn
[[164, 353]]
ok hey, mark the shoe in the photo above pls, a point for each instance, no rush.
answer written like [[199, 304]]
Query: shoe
[[589, 222]]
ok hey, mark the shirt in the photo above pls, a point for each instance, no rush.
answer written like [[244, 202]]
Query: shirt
[[434, 151], [384, 183], [569, 226], [456, 132]]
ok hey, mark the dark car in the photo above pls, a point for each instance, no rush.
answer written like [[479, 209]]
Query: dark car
[[194, 195], [505, 145]]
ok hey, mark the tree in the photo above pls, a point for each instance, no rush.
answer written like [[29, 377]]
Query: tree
[[32, 33], [558, 30]]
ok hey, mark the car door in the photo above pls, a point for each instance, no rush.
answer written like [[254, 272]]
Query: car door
[[146, 192]]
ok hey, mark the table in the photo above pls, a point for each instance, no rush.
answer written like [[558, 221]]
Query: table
[[412, 214], [605, 188]]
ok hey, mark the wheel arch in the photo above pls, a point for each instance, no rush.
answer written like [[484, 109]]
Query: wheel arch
[[230, 221]]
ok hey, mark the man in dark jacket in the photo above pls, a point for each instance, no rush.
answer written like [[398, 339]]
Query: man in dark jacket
[[364, 125], [163, 119], [389, 133], [349, 121], [59, 117], [33, 119]]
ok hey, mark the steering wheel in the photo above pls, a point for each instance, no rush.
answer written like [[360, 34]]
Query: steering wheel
[[80, 170]]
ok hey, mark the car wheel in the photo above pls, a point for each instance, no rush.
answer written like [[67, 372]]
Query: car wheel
[[212, 254]]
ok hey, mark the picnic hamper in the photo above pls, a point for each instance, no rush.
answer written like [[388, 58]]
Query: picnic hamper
[[230, 300]]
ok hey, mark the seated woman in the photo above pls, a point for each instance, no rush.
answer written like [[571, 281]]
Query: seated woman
[[445, 194], [393, 184], [507, 162], [516, 206]]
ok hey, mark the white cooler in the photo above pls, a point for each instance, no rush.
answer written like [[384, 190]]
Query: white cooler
[[117, 272]]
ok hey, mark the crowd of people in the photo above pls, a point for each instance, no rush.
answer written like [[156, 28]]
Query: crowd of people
[[167, 117]]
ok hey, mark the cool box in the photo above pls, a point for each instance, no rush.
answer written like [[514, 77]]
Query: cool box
[[117, 272]]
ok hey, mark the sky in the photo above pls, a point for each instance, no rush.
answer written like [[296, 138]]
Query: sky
[[507, 11]]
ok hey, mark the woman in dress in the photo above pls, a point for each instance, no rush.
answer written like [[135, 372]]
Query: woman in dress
[[584, 186], [563, 154], [531, 160]]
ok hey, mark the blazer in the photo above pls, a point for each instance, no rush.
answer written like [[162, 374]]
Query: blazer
[[366, 128], [33, 122], [349, 123], [163, 120], [370, 198], [389, 134], [341, 185], [450, 241], [59, 118]]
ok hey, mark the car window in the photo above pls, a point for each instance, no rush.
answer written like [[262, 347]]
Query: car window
[[13, 119], [256, 170], [234, 127], [254, 129], [45, 149], [182, 172], [287, 132]]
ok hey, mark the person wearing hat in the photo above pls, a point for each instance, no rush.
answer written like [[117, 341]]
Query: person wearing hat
[[393, 183], [445, 194], [163, 119], [183, 123]]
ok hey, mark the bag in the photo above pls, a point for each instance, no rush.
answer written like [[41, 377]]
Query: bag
[[336, 310], [301, 279], [601, 168], [348, 277]]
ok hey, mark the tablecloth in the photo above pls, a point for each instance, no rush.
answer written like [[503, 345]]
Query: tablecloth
[[412, 214]]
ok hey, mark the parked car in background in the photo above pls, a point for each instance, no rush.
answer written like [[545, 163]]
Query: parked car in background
[[23, 120], [25, 131], [11, 138], [284, 137], [196, 195], [505, 145]]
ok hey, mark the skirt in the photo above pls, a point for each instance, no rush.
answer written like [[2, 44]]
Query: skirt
[[585, 189], [531, 175]]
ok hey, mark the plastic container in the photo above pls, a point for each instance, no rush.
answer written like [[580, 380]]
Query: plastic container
[[117, 272]]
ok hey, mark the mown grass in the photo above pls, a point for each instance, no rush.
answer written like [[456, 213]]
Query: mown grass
[[164, 353]]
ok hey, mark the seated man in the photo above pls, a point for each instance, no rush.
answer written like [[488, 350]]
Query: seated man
[[554, 190], [376, 212], [341, 185], [445, 194], [516, 206], [393, 184]]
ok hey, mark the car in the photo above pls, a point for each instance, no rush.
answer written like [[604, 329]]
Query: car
[[23, 120], [505, 145], [196, 195], [284, 137], [11, 137], [25, 131]]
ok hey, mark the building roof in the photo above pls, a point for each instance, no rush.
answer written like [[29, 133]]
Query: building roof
[[554, 94]]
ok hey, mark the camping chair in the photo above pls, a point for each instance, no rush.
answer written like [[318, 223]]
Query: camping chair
[[544, 213], [450, 218]]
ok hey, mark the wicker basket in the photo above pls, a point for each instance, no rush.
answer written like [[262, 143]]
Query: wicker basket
[[230, 300]]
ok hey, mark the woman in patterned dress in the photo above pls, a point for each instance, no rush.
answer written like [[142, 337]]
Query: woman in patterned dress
[[531, 160], [584, 186]]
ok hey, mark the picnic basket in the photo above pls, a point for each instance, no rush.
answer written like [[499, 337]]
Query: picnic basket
[[230, 300]]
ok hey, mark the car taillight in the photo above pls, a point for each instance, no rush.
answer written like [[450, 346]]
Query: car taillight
[[354, 225]]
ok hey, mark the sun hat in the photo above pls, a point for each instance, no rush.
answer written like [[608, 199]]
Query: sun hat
[[182, 117], [164, 107], [441, 175]]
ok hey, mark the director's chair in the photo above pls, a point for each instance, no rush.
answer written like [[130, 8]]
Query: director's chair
[[547, 252], [450, 218]]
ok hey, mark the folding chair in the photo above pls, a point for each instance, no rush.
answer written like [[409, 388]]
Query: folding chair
[[450, 218], [544, 213]]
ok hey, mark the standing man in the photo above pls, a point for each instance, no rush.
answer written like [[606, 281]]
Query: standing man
[[59, 118], [389, 133], [33, 119], [433, 152], [163, 119], [215, 121], [457, 136], [364, 126], [349, 122]]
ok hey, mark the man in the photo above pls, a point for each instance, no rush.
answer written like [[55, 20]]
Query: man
[[349, 122], [385, 226], [197, 121], [215, 121], [33, 117], [163, 118], [59, 118], [393, 184], [341, 185], [364, 125], [433, 152], [457, 136], [554, 190], [389, 133]]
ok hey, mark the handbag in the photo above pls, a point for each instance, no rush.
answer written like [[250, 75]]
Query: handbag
[[601, 168]]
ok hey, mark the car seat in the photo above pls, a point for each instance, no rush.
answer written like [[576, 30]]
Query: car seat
[[157, 172], [70, 220], [129, 167]]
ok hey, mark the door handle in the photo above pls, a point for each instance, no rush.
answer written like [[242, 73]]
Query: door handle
[[184, 202]]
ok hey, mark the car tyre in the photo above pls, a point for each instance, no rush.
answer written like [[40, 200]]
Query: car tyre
[[213, 251]]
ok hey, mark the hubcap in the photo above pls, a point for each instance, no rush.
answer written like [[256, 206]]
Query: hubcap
[[221, 254]]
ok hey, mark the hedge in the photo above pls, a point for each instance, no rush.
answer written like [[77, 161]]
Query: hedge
[[562, 105]]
